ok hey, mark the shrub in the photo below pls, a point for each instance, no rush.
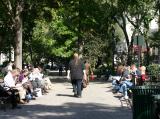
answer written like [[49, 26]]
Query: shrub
[[153, 70]]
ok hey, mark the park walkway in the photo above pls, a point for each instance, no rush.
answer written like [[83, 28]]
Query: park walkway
[[97, 102]]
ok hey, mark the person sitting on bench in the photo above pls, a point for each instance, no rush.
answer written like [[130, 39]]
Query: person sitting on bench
[[10, 84]]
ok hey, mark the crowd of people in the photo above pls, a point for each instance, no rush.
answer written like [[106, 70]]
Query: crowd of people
[[127, 77], [30, 82], [24, 85]]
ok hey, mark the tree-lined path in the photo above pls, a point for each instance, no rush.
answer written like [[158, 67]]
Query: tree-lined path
[[97, 102]]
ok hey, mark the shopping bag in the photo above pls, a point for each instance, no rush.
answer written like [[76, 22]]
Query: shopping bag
[[92, 76]]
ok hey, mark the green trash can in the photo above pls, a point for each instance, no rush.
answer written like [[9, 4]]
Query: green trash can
[[156, 103], [143, 107]]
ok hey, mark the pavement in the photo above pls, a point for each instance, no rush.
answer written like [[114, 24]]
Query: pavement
[[97, 102]]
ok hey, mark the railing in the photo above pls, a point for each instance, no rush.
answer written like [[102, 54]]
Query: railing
[[152, 80]]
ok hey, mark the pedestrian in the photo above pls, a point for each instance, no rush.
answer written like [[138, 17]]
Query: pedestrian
[[88, 70], [76, 73], [60, 69]]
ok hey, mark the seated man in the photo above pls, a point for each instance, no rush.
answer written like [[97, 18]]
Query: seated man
[[115, 83], [125, 85], [36, 79], [10, 83]]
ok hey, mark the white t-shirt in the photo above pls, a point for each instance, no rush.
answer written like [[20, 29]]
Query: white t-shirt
[[116, 78], [9, 80], [33, 76]]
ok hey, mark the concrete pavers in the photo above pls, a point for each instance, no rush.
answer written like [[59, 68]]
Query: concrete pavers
[[97, 102]]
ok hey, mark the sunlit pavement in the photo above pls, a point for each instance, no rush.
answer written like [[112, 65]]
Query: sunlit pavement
[[97, 102]]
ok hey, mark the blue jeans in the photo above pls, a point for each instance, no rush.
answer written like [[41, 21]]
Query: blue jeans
[[115, 85], [77, 86], [125, 86]]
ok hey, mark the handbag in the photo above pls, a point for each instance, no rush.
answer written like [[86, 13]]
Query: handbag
[[92, 76], [84, 83]]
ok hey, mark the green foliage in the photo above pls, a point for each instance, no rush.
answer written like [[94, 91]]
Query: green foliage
[[2, 75], [143, 11], [154, 39], [56, 28], [153, 69], [53, 38], [91, 21]]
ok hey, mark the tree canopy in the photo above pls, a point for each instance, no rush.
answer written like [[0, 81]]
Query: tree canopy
[[57, 28]]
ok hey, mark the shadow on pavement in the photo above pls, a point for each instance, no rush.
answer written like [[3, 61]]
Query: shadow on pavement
[[68, 111], [56, 73], [59, 80], [67, 95], [65, 80]]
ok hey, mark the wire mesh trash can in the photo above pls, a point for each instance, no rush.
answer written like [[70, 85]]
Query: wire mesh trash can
[[156, 102], [143, 107]]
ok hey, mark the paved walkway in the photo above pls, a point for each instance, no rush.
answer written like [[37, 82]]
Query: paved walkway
[[97, 102]]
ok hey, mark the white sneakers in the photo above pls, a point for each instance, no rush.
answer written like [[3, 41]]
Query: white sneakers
[[126, 97]]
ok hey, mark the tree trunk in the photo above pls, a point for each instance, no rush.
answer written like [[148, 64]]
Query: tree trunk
[[129, 59], [10, 53], [31, 52], [147, 53], [130, 51], [18, 43], [0, 49], [124, 29]]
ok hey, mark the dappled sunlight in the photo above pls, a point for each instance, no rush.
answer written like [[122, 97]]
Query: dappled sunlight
[[65, 111]]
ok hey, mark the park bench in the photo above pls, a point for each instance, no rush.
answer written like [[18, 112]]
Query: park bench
[[5, 100]]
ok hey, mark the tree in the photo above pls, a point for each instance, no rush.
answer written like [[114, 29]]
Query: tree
[[137, 12], [51, 38], [13, 11], [91, 21]]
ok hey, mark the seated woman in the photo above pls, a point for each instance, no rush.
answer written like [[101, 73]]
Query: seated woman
[[142, 75], [11, 83], [117, 79], [23, 78]]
